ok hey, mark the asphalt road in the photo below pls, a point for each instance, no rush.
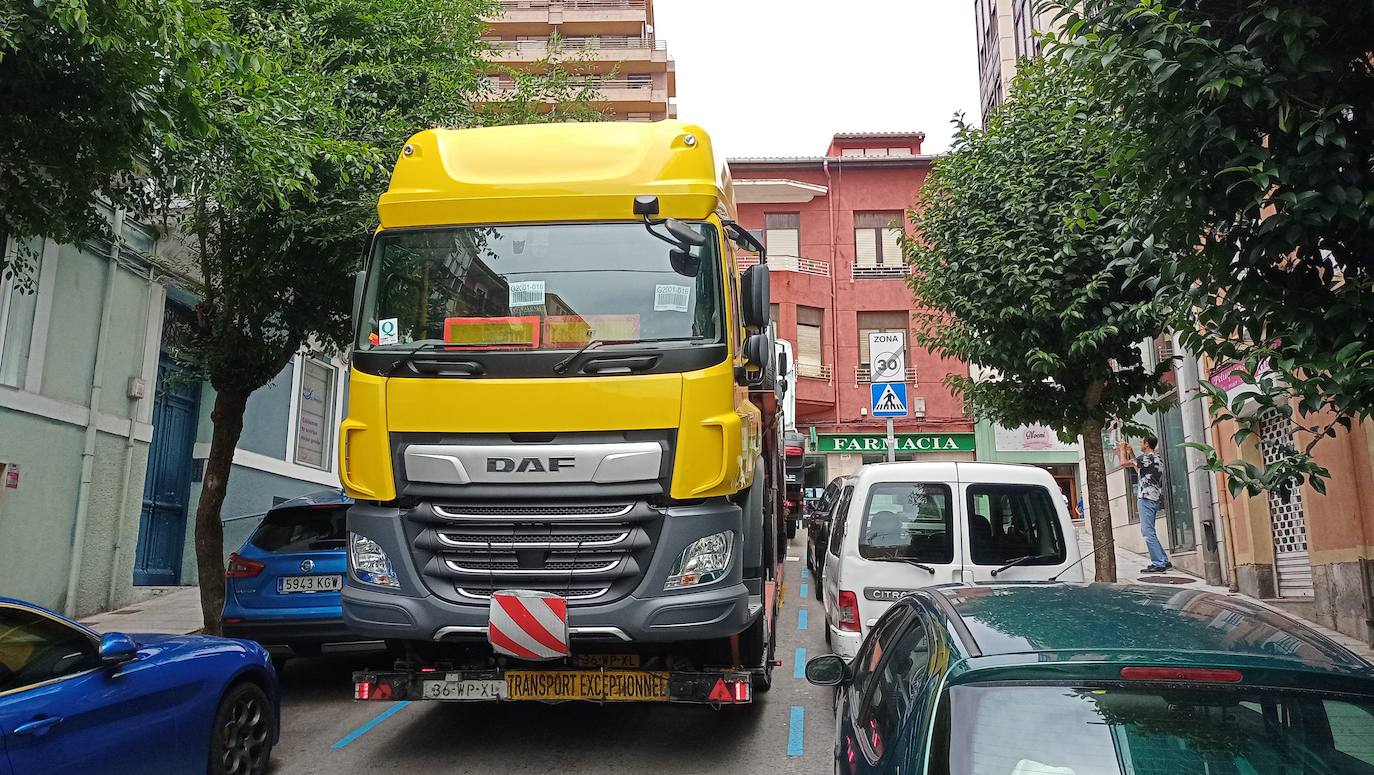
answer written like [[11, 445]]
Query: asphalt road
[[790, 730]]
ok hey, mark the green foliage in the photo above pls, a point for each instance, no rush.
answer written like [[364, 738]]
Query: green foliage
[[87, 86], [1028, 264], [1257, 120]]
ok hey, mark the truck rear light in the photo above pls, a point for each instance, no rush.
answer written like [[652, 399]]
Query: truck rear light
[[849, 611], [742, 691], [362, 690], [241, 568], [1190, 674]]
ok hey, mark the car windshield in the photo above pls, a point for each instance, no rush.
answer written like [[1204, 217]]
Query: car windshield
[[551, 287], [907, 520], [311, 528], [1063, 730]]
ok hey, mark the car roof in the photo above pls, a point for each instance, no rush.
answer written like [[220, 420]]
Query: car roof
[[1038, 622], [929, 470], [321, 498]]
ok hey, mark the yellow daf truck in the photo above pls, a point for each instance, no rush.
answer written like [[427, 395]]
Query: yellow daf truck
[[563, 387]]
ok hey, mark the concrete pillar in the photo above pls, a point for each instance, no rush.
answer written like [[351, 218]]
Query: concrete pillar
[[1205, 524]]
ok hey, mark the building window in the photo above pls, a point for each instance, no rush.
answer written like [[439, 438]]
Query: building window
[[782, 234], [810, 320], [878, 244], [314, 414], [1023, 21], [17, 306], [875, 323]]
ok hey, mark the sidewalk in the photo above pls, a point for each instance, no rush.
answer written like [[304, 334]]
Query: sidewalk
[[1128, 570], [176, 612]]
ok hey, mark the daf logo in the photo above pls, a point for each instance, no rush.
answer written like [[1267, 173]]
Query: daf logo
[[307, 566], [510, 465]]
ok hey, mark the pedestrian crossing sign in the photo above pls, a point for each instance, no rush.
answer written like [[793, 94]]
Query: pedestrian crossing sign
[[889, 399]]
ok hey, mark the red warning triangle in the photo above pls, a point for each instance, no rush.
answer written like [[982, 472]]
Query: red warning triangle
[[721, 694]]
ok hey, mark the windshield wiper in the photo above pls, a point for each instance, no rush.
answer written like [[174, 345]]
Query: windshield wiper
[[427, 344], [908, 561], [562, 366], [1020, 560]]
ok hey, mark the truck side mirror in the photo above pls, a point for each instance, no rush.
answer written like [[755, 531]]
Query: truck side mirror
[[757, 350], [755, 295]]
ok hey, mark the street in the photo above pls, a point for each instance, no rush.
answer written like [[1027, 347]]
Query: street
[[790, 731]]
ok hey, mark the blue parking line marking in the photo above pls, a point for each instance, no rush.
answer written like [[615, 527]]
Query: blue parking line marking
[[806, 574], [801, 618], [799, 663], [804, 589], [360, 731], [796, 731]]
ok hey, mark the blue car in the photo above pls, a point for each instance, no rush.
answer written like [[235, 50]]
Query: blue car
[[283, 585], [75, 701]]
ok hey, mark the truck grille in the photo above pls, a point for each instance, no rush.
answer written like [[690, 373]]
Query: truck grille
[[589, 553]]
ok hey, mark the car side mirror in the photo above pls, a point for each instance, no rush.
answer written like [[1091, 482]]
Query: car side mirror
[[116, 648], [754, 291], [827, 670]]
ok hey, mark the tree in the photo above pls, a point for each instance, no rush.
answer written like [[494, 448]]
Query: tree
[[1022, 260], [277, 202], [1256, 118], [88, 86]]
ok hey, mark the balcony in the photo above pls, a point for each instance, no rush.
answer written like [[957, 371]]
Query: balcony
[[809, 266], [880, 272], [570, 17], [592, 54], [624, 96], [813, 371], [864, 375]]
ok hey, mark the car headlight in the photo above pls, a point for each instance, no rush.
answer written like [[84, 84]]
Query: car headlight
[[702, 562], [369, 562]]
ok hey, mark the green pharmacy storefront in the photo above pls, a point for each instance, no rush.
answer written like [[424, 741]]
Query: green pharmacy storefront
[[845, 453]]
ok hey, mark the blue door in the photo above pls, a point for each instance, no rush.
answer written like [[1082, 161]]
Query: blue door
[[167, 487]]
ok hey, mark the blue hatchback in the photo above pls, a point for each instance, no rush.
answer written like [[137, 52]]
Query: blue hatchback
[[283, 585], [72, 700]]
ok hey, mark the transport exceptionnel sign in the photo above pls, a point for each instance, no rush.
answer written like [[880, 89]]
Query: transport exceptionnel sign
[[906, 442]]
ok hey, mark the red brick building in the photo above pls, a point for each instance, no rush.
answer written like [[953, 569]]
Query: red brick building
[[831, 225]]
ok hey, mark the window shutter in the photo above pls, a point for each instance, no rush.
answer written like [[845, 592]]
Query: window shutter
[[781, 242], [866, 247], [863, 345], [892, 247], [809, 345]]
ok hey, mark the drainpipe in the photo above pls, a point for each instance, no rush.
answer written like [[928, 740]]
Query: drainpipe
[[129, 449], [83, 497], [1199, 488], [834, 293]]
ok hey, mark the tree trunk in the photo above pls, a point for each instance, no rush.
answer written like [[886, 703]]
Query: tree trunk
[[227, 417], [1099, 510]]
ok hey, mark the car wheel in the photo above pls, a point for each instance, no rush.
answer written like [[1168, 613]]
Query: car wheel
[[241, 739]]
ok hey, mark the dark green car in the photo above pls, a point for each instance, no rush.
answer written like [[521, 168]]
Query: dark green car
[[1097, 679]]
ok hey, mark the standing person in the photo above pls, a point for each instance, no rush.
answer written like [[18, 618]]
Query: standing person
[[1151, 471]]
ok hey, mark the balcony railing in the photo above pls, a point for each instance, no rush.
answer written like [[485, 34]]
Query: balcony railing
[[879, 272], [580, 44], [570, 5], [787, 264], [618, 84], [864, 374], [813, 371]]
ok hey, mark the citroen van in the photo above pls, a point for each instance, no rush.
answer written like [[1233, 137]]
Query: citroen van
[[898, 527]]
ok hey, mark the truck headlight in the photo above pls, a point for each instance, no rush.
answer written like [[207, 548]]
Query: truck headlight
[[369, 562], [702, 562]]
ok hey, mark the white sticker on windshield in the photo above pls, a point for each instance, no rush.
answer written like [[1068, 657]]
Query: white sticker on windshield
[[387, 331], [671, 297], [527, 294]]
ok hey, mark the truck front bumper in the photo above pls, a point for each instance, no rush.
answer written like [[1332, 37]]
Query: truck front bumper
[[647, 614]]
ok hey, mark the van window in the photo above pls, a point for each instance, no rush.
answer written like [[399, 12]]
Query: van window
[[1010, 521], [908, 519], [312, 528], [838, 520]]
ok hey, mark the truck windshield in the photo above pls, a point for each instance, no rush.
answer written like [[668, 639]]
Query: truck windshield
[[539, 287]]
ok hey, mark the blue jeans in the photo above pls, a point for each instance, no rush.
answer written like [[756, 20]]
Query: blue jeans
[[1148, 510]]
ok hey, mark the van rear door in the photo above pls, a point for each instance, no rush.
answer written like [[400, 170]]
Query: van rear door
[[1017, 531]]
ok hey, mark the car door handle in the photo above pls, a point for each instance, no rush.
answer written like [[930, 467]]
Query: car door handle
[[38, 726]]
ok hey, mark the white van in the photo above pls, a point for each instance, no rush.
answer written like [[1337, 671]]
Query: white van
[[901, 526]]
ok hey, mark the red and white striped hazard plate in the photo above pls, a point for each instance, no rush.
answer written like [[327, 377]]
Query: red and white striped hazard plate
[[528, 625]]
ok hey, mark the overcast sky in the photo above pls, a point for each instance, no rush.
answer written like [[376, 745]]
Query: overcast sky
[[779, 77]]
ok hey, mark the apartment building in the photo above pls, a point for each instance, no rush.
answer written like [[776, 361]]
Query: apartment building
[[1006, 34], [832, 226], [613, 43]]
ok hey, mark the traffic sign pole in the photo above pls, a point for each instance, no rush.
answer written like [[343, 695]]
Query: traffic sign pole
[[891, 442]]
